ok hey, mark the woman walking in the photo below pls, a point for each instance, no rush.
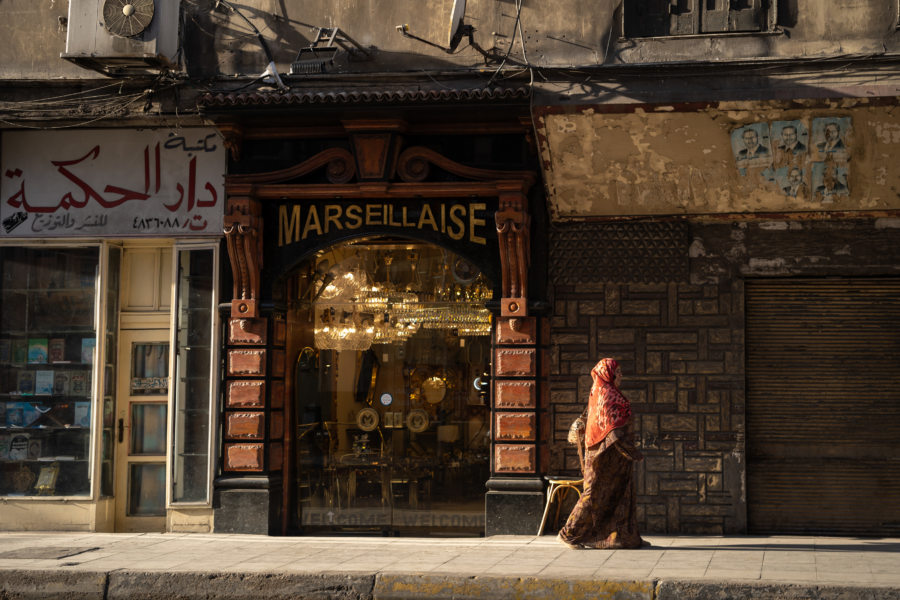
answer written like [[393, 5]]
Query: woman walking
[[604, 517]]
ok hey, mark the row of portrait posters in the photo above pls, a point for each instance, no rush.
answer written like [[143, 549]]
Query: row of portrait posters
[[808, 163]]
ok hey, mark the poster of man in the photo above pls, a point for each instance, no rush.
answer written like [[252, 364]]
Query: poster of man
[[792, 181], [831, 136], [829, 181], [791, 142], [750, 145]]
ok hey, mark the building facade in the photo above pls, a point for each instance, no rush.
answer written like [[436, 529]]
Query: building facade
[[421, 229]]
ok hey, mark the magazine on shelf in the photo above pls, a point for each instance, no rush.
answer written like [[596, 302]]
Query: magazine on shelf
[[34, 448], [25, 383], [37, 351], [5, 350], [61, 383], [4, 446], [87, 350], [56, 350], [43, 383], [78, 384], [82, 414], [18, 446], [19, 351]]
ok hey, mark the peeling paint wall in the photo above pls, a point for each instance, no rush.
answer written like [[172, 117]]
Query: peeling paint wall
[[665, 162]]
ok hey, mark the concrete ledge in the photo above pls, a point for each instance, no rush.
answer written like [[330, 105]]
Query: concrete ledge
[[25, 584], [699, 590], [460, 587], [131, 585]]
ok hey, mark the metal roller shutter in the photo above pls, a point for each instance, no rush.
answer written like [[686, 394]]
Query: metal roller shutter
[[823, 406]]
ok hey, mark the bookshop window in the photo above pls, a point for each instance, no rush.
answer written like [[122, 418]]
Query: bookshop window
[[662, 18], [47, 350], [194, 376]]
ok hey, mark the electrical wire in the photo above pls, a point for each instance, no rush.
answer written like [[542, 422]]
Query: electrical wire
[[104, 106], [512, 42], [120, 108]]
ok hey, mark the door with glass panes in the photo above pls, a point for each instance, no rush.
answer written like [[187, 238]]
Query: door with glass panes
[[141, 440]]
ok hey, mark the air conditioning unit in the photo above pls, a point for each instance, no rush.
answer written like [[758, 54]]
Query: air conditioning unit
[[123, 37]]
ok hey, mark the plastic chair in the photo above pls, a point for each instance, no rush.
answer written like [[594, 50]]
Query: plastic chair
[[558, 487]]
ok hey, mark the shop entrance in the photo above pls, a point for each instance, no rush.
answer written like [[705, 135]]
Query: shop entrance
[[140, 430], [390, 345]]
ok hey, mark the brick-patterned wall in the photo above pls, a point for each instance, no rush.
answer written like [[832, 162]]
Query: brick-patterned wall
[[681, 350]]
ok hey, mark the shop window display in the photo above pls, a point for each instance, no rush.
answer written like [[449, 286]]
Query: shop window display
[[47, 355], [391, 342]]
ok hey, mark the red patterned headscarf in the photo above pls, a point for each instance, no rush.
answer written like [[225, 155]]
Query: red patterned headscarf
[[608, 409]]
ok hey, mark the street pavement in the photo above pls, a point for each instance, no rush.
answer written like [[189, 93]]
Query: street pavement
[[189, 566]]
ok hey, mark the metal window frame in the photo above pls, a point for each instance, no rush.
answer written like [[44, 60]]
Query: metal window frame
[[215, 342]]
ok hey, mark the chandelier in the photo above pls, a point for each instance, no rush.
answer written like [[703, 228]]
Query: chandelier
[[352, 311]]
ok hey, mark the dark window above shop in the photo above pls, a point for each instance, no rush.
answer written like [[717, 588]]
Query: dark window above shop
[[663, 18]]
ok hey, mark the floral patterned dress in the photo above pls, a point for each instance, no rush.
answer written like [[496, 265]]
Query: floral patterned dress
[[605, 516]]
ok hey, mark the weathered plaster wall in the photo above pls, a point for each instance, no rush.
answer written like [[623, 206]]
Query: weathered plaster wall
[[32, 36], [657, 161]]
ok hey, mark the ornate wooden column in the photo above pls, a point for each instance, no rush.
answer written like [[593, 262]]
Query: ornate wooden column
[[248, 495], [514, 501]]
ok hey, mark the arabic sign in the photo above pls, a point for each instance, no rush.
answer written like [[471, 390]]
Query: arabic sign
[[112, 182]]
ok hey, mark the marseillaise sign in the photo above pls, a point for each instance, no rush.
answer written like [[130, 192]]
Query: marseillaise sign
[[295, 229]]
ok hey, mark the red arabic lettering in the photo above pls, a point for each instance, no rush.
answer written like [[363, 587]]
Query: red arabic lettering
[[192, 199]]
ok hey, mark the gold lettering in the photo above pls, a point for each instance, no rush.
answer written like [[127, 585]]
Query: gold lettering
[[391, 221], [373, 211], [288, 229], [455, 218], [473, 222], [354, 213], [405, 222], [443, 218], [332, 214], [427, 217], [312, 222]]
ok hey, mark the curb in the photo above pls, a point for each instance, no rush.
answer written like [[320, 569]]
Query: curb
[[704, 590], [476, 587], [24, 584], [27, 584]]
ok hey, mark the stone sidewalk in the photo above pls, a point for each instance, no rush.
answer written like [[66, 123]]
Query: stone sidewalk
[[189, 566]]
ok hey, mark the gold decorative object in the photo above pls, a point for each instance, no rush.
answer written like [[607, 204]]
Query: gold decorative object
[[367, 419], [434, 389], [46, 481], [22, 479], [417, 420]]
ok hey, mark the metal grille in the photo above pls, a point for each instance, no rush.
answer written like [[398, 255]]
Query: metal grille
[[619, 252], [823, 406]]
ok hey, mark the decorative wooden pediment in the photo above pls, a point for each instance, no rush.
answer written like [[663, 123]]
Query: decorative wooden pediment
[[339, 164], [413, 166]]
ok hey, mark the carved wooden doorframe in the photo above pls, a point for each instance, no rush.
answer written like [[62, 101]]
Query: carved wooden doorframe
[[256, 440]]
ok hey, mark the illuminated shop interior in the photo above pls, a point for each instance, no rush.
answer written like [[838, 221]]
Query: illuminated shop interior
[[390, 341]]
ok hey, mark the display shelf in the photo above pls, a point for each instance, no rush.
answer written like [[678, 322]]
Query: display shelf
[[48, 343], [13, 429], [49, 459]]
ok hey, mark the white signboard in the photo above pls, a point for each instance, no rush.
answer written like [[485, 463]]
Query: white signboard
[[112, 182]]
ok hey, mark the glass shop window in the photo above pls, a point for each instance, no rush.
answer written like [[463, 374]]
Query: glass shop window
[[390, 343], [48, 341], [194, 376]]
